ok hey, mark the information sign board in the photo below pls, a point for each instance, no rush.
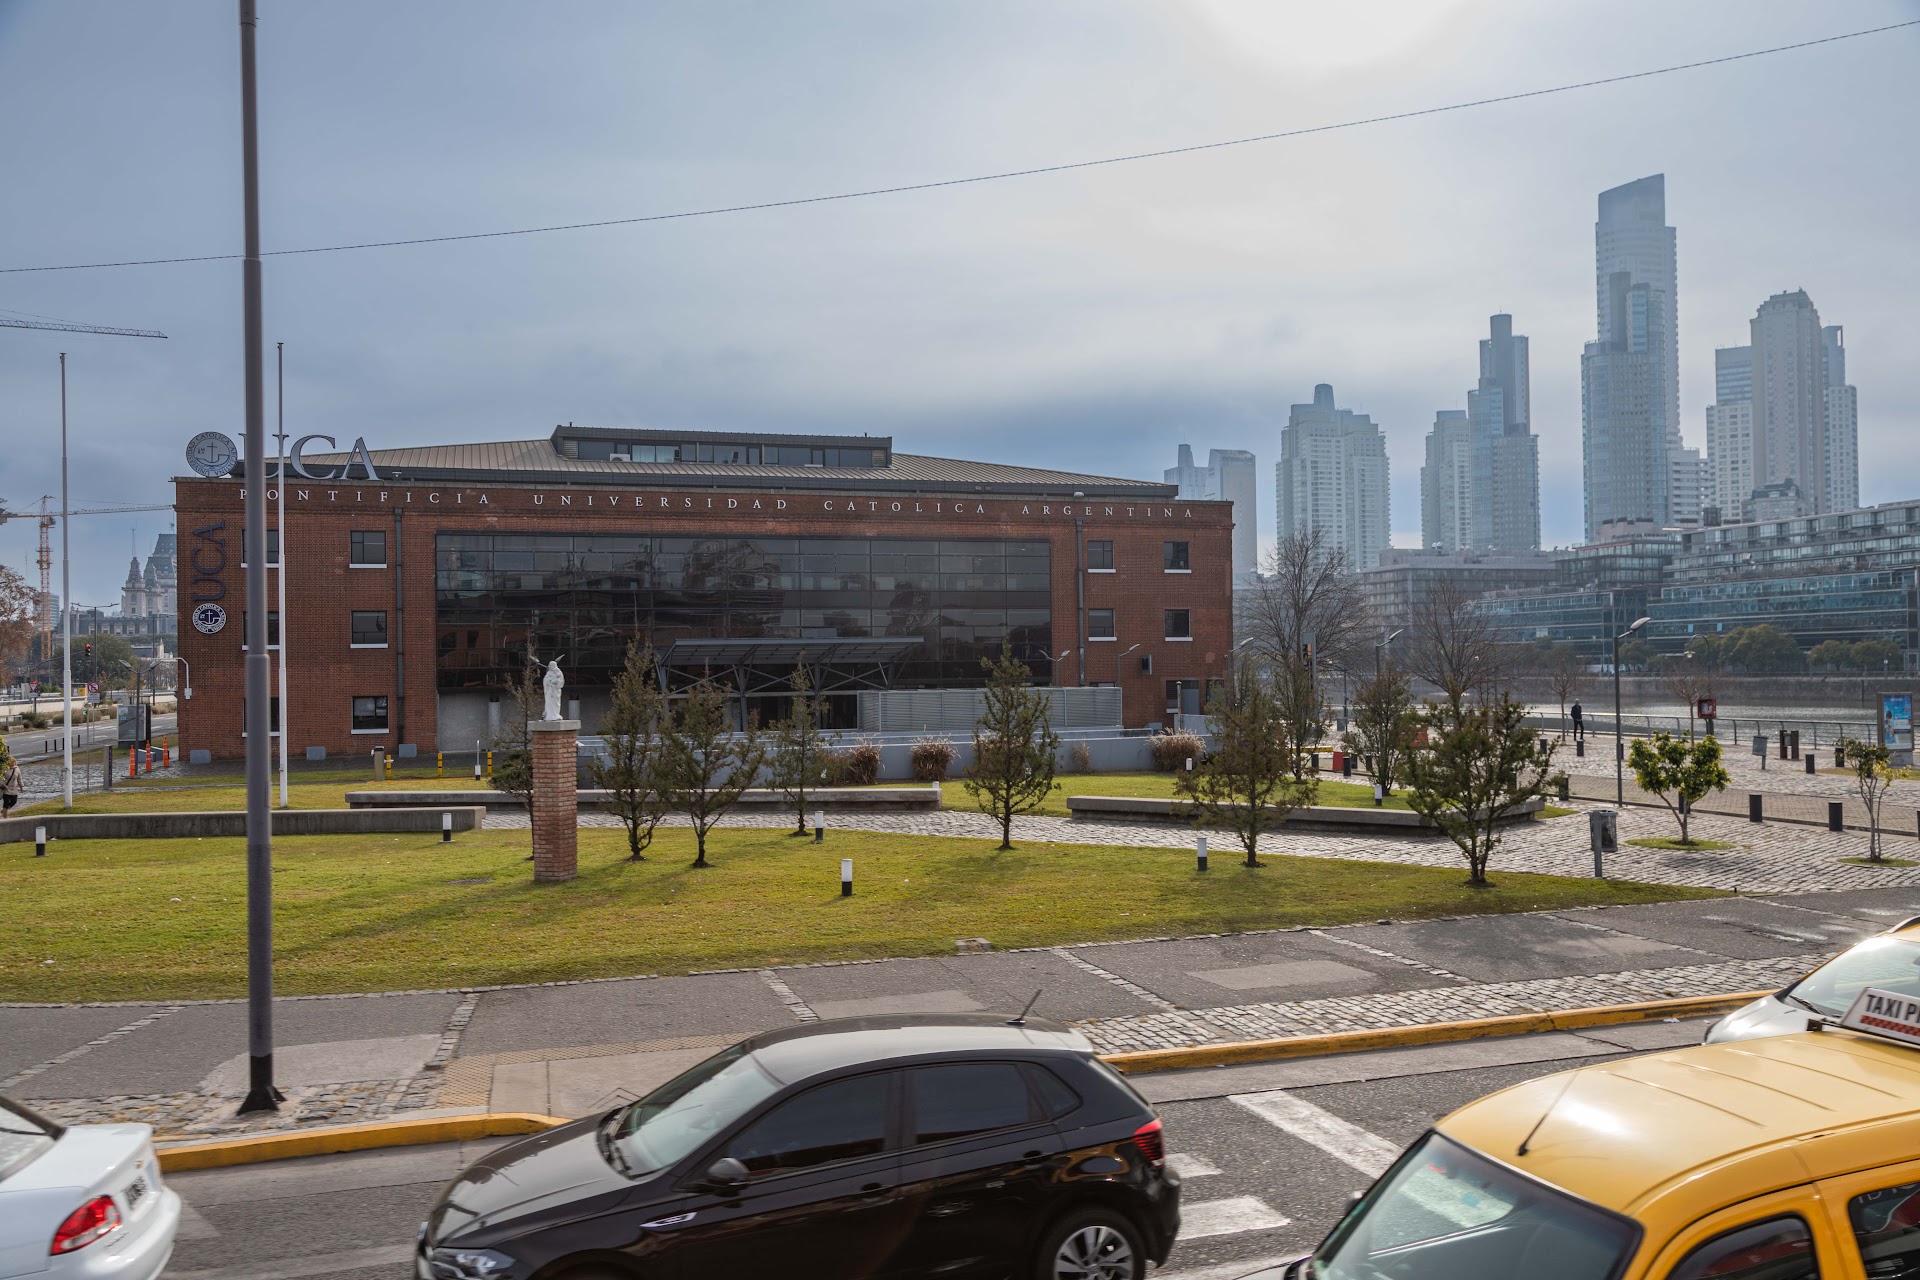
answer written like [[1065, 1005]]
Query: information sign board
[[1896, 721], [1708, 708]]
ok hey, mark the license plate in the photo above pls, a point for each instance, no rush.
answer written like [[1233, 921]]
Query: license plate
[[135, 1191]]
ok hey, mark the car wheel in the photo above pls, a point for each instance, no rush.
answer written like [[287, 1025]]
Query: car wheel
[[1091, 1244]]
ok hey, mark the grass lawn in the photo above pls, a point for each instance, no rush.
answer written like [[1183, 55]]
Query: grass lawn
[[1674, 842], [1155, 786], [166, 919], [1884, 862], [317, 794]]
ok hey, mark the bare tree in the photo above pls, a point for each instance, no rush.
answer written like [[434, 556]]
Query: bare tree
[[512, 743], [705, 764], [1308, 596], [800, 755], [1250, 783], [1456, 649], [1566, 673], [629, 771]]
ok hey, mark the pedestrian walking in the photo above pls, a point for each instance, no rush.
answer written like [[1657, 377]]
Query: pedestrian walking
[[1579, 728], [11, 784]]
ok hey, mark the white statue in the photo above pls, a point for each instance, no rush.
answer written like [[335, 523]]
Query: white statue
[[552, 684]]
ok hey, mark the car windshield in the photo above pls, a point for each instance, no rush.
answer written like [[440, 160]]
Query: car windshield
[[1445, 1213], [23, 1137], [1892, 964], [667, 1124]]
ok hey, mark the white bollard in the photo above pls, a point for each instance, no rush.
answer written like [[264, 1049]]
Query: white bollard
[[1200, 850], [446, 828], [846, 877], [39, 842]]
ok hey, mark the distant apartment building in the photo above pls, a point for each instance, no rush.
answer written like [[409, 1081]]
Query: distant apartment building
[[1630, 373], [1783, 433], [1406, 578], [1333, 476], [1231, 475], [1480, 486]]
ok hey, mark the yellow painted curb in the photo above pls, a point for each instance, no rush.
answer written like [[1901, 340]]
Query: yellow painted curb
[[350, 1137], [1218, 1055]]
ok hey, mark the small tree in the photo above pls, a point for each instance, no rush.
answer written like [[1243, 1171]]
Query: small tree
[[512, 742], [1248, 785], [1687, 770], [1477, 766], [1301, 711], [1013, 746], [1565, 671], [800, 753], [704, 763], [1383, 725], [630, 770], [1872, 767]]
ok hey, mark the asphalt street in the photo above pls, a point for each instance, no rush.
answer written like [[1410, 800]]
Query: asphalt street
[[31, 745], [1269, 1153]]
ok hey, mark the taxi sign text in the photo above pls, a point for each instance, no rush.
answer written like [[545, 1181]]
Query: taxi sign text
[[1885, 1013]]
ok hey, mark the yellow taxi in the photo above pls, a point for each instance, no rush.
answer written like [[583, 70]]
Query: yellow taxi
[[1793, 1157]]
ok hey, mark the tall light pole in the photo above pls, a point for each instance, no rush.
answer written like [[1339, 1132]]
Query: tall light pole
[[280, 557], [1619, 739], [66, 610], [261, 1095], [1377, 673]]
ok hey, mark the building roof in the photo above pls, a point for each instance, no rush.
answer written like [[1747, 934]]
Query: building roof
[[1726, 1121], [537, 461]]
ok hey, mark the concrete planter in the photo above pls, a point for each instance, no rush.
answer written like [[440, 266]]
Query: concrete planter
[[1319, 817], [233, 822], [843, 799]]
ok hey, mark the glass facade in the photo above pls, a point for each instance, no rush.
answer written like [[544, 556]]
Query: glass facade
[[1848, 607], [586, 596], [1587, 620]]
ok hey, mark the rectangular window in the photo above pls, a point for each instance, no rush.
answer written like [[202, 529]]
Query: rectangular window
[[273, 629], [1175, 555], [369, 629], [1886, 1230], [1100, 557], [963, 1099], [367, 548], [273, 716], [370, 714], [273, 549], [1179, 624], [1100, 624]]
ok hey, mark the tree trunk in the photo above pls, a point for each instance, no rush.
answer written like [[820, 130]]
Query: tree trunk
[[1685, 816], [1006, 829]]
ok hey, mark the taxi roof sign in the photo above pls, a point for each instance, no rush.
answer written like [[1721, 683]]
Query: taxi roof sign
[[1885, 1013]]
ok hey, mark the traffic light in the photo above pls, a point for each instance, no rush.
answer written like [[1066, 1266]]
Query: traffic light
[[89, 648]]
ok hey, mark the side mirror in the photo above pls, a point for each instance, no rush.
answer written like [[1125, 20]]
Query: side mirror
[[724, 1174]]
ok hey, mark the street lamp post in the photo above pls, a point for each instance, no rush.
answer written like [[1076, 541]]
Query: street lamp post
[[1377, 673], [1619, 740]]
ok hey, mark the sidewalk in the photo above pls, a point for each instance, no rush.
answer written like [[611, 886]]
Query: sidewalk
[[573, 1048]]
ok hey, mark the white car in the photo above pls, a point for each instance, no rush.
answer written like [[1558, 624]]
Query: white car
[[81, 1202], [1889, 961]]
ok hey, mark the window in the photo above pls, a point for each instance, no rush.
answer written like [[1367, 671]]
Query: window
[[1100, 557], [1179, 624], [273, 716], [273, 629], [1892, 964], [1100, 624], [370, 714], [968, 1098], [1777, 1249], [369, 629], [669, 1123], [367, 548], [845, 1120], [273, 549], [1175, 556], [1056, 1095], [1886, 1226]]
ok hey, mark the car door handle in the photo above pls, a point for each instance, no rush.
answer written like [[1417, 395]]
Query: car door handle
[[874, 1190]]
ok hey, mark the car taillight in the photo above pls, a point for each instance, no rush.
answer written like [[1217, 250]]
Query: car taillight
[[1152, 1142], [86, 1224]]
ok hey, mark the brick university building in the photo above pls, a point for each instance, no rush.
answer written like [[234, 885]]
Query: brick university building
[[420, 578]]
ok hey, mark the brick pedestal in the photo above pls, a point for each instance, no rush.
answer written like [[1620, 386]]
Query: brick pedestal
[[556, 799]]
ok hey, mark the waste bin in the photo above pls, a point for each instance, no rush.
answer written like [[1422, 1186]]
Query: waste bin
[[1603, 830]]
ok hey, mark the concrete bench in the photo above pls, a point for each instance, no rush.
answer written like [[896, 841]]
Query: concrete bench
[[467, 816], [1320, 816]]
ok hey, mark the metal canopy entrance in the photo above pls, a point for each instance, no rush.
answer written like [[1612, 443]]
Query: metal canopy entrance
[[766, 665]]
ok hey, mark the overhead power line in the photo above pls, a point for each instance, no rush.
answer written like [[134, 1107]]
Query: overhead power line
[[1002, 175]]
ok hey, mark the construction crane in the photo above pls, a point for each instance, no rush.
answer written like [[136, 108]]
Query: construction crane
[[62, 326], [47, 520]]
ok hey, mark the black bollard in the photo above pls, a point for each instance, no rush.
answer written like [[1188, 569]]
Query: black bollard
[[1753, 806], [1836, 815], [1809, 758]]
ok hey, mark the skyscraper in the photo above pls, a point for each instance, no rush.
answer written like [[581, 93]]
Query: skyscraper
[[1731, 473], [1843, 426], [1231, 475], [1789, 395], [1630, 375], [1480, 487], [1332, 476]]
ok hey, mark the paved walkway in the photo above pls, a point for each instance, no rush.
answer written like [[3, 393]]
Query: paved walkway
[[572, 1048]]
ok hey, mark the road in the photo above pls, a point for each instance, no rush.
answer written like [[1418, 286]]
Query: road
[[1270, 1154], [33, 745]]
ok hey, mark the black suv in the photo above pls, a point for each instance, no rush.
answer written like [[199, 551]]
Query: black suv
[[951, 1146]]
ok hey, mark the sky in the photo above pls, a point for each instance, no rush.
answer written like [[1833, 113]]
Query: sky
[[1092, 320]]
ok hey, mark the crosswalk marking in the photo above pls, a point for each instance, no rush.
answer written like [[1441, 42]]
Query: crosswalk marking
[[1190, 1166], [1228, 1217], [1367, 1152]]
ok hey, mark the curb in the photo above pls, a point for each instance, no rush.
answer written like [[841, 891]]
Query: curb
[[351, 1137], [1239, 1051]]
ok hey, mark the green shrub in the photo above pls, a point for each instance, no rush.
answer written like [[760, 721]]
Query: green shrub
[[1171, 751], [931, 758]]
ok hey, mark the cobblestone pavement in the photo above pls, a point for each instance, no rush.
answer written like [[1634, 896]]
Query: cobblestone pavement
[[1767, 858]]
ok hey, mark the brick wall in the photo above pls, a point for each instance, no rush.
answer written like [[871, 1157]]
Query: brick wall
[[322, 589]]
